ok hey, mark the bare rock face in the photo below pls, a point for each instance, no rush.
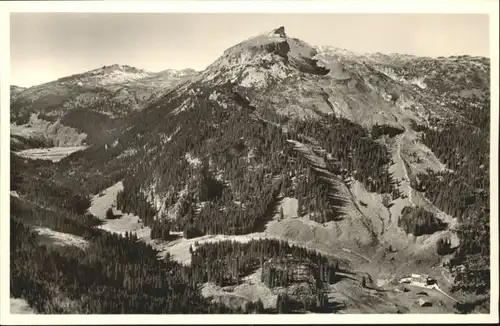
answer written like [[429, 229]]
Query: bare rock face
[[280, 31]]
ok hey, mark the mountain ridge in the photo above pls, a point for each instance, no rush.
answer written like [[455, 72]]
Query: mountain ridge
[[101, 97]]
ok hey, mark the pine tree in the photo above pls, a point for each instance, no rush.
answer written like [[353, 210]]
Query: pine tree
[[109, 214], [259, 307]]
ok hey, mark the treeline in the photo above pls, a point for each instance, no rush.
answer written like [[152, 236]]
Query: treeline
[[452, 193], [120, 274], [287, 271], [245, 164], [58, 220], [38, 182], [115, 274], [19, 143], [228, 262], [474, 107], [134, 202], [160, 229], [380, 130], [99, 127], [286, 304], [49, 194], [352, 148], [443, 247], [226, 173], [418, 221], [316, 196], [24, 269], [464, 192]]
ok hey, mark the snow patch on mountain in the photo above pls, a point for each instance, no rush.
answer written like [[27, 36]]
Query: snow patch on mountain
[[114, 74], [192, 160], [254, 77], [177, 73], [166, 139], [260, 77], [128, 153], [185, 105]]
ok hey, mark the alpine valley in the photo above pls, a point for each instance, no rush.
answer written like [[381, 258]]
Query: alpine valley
[[283, 178]]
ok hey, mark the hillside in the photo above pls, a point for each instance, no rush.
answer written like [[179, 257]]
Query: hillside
[[14, 91], [92, 103], [280, 156]]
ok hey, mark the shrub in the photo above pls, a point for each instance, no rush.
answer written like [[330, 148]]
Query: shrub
[[443, 247], [418, 221], [110, 215]]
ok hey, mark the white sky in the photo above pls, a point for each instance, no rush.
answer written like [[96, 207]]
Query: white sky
[[47, 46]]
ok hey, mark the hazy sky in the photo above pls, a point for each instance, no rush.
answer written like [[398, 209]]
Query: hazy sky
[[47, 46]]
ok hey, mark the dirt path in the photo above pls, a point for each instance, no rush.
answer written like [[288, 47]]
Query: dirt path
[[355, 253], [449, 296], [446, 278]]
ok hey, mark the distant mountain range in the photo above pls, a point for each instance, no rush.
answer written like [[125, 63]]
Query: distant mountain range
[[102, 95], [111, 90]]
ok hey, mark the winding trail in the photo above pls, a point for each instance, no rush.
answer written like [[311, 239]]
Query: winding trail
[[437, 288], [445, 277], [355, 253]]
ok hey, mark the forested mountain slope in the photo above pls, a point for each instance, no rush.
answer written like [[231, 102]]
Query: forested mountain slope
[[92, 103], [384, 157]]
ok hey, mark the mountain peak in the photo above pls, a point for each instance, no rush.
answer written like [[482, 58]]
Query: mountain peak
[[118, 67], [279, 31], [105, 75], [267, 55]]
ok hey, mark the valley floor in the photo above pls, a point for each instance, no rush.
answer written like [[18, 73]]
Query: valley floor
[[54, 154]]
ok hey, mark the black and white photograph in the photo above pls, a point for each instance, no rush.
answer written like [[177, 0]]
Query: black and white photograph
[[327, 165]]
